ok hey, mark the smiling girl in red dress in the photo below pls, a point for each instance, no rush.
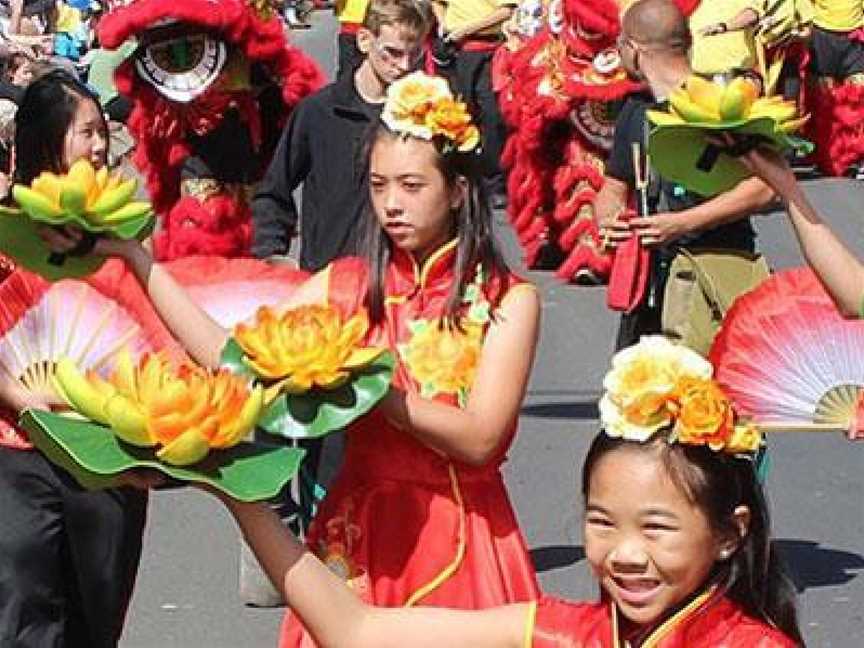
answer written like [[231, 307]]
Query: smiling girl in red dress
[[676, 531]]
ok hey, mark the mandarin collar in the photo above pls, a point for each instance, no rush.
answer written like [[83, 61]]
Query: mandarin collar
[[411, 276], [653, 638]]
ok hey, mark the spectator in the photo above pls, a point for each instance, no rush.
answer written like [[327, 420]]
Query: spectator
[[350, 14], [473, 27], [654, 44]]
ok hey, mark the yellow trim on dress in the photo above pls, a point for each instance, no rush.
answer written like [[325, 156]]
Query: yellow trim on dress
[[421, 274], [392, 300], [672, 622], [431, 259], [450, 569], [530, 624]]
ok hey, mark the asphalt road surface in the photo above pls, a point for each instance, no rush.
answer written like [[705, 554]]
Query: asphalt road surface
[[187, 597]]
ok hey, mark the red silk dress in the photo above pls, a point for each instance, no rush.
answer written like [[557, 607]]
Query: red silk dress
[[404, 524], [708, 621]]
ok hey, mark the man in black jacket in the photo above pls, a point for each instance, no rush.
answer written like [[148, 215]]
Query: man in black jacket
[[321, 147]]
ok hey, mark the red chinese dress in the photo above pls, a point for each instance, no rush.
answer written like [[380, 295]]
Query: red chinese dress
[[405, 524], [708, 621]]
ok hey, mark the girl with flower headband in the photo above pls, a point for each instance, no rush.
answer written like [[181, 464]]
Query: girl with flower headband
[[418, 514], [676, 531]]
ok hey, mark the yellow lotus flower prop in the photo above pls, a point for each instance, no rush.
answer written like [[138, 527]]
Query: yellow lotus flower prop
[[185, 409], [304, 348], [424, 107], [94, 200], [655, 385], [443, 359], [704, 102]]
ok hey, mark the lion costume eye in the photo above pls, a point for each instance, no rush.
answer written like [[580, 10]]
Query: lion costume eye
[[182, 67]]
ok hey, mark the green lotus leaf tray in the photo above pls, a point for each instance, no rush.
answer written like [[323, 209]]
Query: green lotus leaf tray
[[678, 152], [94, 456], [319, 411], [20, 241]]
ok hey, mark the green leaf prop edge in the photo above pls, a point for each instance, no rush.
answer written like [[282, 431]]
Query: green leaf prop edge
[[20, 242], [320, 412], [251, 461]]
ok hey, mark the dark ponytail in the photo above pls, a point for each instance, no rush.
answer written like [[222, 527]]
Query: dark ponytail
[[718, 483]]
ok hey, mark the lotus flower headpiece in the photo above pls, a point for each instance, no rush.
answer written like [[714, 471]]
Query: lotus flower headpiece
[[423, 106], [655, 385]]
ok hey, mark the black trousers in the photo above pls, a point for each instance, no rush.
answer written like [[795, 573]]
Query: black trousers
[[471, 77], [68, 557], [835, 54]]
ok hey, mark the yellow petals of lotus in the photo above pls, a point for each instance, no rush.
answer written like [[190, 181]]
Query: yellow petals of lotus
[[305, 347], [83, 192], [185, 409], [701, 101]]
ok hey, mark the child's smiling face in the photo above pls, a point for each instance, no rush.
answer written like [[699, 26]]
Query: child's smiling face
[[648, 544]]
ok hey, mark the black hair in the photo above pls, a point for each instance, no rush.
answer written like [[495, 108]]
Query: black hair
[[472, 224], [44, 116], [718, 483]]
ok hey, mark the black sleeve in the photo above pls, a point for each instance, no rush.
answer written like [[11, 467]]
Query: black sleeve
[[629, 129], [274, 213]]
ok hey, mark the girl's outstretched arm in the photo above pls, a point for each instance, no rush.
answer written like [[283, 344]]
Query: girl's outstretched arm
[[473, 434], [334, 615], [839, 269], [202, 337]]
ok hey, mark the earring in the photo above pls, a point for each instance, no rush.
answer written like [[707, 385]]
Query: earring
[[725, 553]]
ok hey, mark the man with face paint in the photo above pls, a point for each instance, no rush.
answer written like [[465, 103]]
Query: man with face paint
[[654, 45]]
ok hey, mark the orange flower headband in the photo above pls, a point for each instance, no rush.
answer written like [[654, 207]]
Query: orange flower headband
[[423, 106], [656, 384]]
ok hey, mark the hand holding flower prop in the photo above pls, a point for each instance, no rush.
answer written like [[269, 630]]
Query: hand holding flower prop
[[318, 376], [655, 385], [95, 201], [185, 411], [423, 106], [679, 143]]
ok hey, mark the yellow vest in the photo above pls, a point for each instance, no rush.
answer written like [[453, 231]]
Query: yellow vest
[[464, 12], [351, 11], [721, 52], [839, 15]]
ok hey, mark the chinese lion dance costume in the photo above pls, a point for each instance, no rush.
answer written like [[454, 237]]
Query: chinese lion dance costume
[[559, 80], [212, 83]]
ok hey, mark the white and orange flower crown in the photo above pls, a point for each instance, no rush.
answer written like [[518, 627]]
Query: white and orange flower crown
[[656, 385], [423, 106]]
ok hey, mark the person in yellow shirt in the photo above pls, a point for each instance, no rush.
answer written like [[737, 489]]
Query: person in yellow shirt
[[473, 29], [838, 98], [350, 14], [720, 51], [836, 54], [781, 29]]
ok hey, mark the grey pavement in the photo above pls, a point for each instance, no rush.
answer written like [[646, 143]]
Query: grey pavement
[[186, 596]]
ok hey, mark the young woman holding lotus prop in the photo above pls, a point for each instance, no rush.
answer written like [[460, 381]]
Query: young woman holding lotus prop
[[419, 513]]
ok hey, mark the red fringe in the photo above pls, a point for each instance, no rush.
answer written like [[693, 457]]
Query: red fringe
[[837, 126], [219, 226], [155, 122]]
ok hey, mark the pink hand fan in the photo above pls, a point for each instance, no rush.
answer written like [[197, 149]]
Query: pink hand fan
[[788, 358], [232, 289], [89, 321]]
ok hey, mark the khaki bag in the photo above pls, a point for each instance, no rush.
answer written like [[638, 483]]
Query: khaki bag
[[701, 287]]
